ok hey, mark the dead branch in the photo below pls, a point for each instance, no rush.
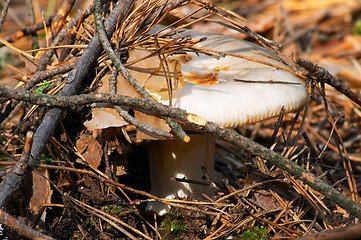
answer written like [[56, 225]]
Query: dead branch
[[74, 80], [4, 13], [31, 15], [59, 19], [194, 121], [131, 120], [8, 186], [322, 75], [43, 61], [20, 227], [27, 31], [352, 232]]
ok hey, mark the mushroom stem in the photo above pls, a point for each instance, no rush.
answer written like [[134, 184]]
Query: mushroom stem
[[176, 159]]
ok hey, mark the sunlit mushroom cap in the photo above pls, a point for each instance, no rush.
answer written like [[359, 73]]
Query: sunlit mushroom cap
[[232, 90]]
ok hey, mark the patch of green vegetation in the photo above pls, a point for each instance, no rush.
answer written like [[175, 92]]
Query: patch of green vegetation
[[256, 233], [357, 28], [46, 157], [107, 209], [89, 221], [115, 210], [44, 87], [174, 225]]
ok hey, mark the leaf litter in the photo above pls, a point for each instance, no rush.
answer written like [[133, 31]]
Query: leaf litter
[[99, 179]]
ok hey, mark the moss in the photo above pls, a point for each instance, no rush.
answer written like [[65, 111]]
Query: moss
[[256, 233], [174, 225], [44, 87]]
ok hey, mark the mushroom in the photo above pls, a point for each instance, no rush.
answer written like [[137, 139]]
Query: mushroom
[[247, 85], [228, 81]]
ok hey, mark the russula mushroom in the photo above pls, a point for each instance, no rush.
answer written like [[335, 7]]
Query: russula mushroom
[[228, 81], [229, 90]]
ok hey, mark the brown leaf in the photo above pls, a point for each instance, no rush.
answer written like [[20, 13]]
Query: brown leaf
[[266, 200], [90, 149], [41, 191], [104, 117]]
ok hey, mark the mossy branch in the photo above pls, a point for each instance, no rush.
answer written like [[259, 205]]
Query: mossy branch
[[223, 133]]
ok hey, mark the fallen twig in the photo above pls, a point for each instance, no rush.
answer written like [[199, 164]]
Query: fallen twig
[[352, 232], [74, 80], [15, 177], [195, 121], [43, 61], [4, 13], [131, 120], [27, 31], [119, 66], [20, 227], [322, 75]]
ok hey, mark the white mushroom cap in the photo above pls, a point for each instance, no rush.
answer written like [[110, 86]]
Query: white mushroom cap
[[242, 91], [237, 91]]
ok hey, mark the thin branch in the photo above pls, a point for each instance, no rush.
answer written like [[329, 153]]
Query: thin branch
[[20, 227], [352, 232], [194, 121], [120, 67], [285, 164], [31, 16], [322, 75], [131, 120], [82, 99], [59, 19], [8, 186], [43, 61], [27, 31], [4, 12], [75, 78]]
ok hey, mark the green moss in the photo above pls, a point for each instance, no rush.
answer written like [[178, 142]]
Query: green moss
[[357, 28], [44, 87], [256, 233], [174, 225], [46, 157], [114, 210], [89, 221]]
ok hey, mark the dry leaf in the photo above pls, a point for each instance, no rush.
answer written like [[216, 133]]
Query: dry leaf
[[90, 149], [104, 117], [120, 171], [41, 191], [266, 200]]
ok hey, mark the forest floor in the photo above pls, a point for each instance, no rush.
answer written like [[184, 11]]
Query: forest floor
[[63, 179]]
